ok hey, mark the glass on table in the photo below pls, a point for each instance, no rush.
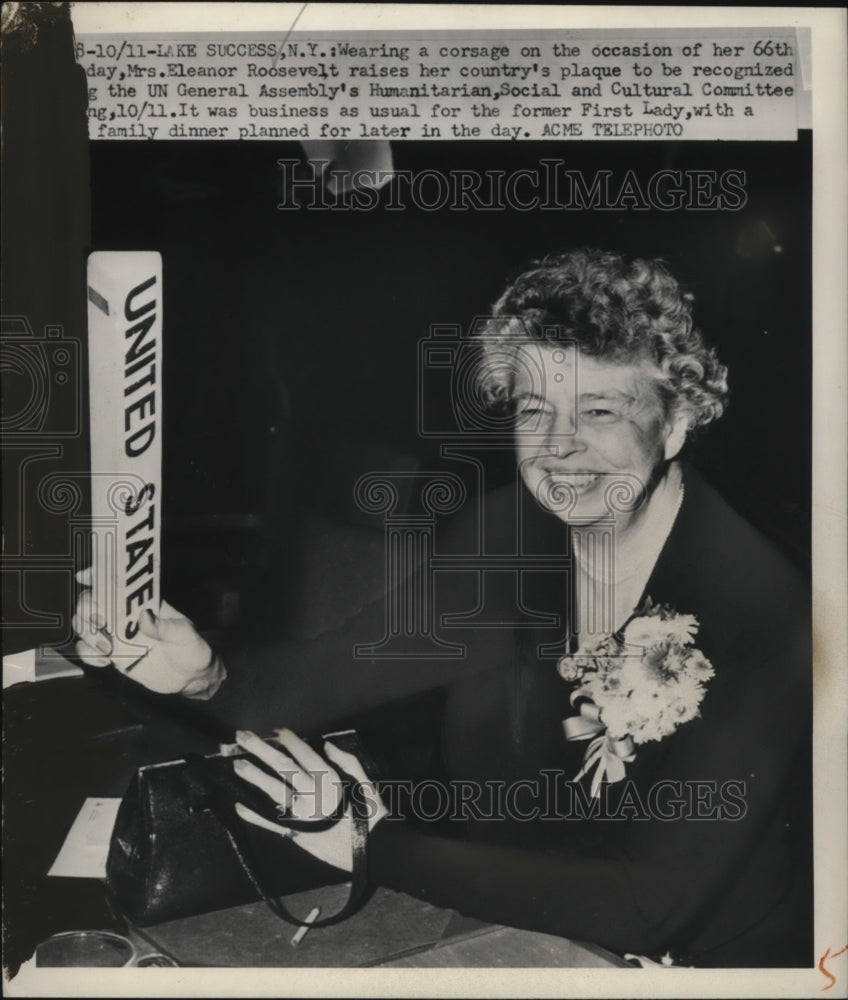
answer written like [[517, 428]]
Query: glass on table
[[94, 950]]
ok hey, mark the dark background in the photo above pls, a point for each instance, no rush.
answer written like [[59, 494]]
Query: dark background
[[308, 321]]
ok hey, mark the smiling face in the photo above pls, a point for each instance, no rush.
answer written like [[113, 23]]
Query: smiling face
[[585, 426]]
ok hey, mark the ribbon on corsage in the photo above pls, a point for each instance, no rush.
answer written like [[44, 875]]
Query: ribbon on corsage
[[606, 754]]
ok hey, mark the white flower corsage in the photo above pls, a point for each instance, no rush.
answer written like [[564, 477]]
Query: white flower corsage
[[635, 686]]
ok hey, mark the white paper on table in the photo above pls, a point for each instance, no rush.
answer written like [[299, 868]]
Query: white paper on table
[[18, 667], [84, 852], [32, 665]]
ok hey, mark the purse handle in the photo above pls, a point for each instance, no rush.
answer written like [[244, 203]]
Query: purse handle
[[224, 810]]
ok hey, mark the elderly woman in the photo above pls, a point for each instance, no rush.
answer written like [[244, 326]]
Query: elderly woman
[[628, 760]]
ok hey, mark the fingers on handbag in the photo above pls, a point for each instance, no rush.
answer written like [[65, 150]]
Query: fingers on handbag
[[179, 848]]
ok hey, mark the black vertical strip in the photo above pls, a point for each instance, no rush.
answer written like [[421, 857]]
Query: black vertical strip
[[43, 247], [45, 238]]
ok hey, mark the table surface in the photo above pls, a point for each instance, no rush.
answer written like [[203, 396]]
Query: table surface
[[392, 930]]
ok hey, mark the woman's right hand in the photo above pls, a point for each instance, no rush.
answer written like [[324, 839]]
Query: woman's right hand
[[178, 659], [307, 788]]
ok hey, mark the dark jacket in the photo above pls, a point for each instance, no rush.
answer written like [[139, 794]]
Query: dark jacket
[[725, 884]]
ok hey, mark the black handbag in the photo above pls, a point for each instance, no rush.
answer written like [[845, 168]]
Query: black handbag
[[179, 848]]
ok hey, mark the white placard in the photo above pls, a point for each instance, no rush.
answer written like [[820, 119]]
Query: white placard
[[125, 373]]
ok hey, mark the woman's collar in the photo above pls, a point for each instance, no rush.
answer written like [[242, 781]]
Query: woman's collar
[[637, 550]]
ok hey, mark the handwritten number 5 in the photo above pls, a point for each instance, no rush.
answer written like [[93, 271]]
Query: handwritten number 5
[[825, 971]]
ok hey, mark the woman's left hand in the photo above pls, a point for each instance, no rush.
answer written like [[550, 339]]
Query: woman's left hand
[[307, 788]]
